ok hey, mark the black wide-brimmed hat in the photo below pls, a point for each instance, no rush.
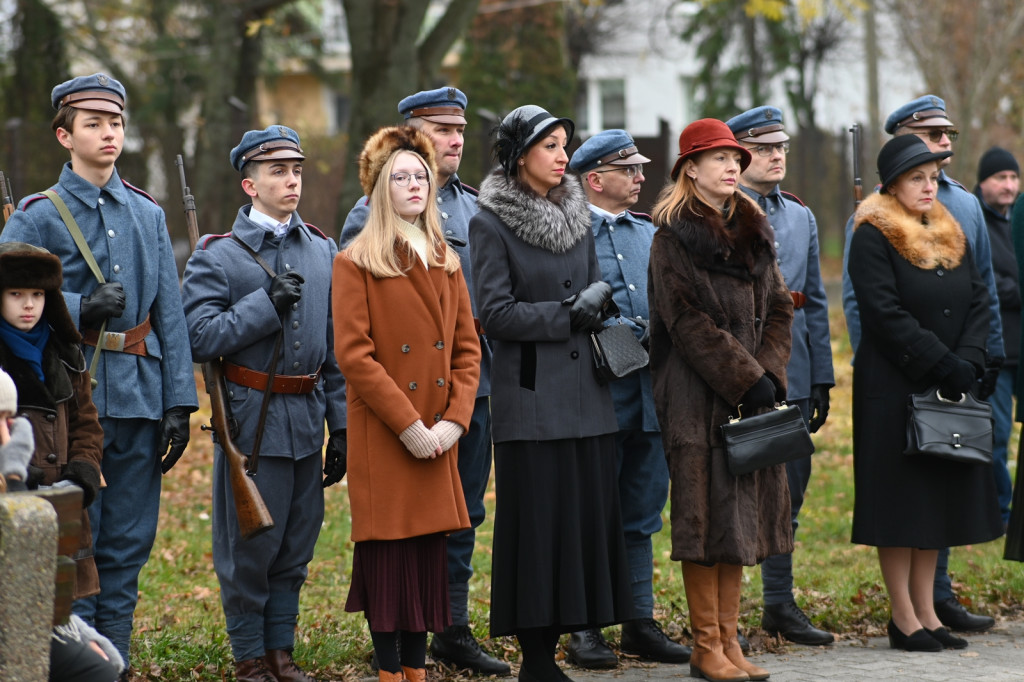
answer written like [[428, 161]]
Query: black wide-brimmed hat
[[902, 153]]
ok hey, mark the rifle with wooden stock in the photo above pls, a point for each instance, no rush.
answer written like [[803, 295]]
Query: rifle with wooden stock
[[858, 186], [8, 196], [253, 516]]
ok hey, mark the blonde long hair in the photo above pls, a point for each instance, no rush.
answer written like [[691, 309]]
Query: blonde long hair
[[682, 197], [379, 247]]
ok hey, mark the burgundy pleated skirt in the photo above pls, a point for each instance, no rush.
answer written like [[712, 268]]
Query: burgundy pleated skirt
[[401, 584]]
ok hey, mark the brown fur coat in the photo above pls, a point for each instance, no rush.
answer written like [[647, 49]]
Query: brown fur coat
[[720, 319]]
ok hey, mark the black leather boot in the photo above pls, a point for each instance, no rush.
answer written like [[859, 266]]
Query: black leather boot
[[646, 639], [456, 646], [588, 649], [789, 622], [955, 617]]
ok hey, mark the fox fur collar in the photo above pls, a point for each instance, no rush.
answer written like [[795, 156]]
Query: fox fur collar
[[743, 247], [554, 223], [937, 243]]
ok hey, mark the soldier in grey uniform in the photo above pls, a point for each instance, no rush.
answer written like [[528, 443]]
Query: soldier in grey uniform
[[809, 373], [236, 310], [926, 117], [441, 114], [611, 169], [144, 384]]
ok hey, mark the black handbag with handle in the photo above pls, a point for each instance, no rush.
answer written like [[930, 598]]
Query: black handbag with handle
[[959, 430], [617, 352], [767, 439]]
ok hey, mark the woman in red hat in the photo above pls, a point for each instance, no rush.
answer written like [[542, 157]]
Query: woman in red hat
[[720, 338]]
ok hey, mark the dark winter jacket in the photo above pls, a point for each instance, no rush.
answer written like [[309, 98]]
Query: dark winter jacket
[[720, 320]]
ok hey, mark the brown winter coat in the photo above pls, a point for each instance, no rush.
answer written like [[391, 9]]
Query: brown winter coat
[[720, 319], [409, 350], [66, 429]]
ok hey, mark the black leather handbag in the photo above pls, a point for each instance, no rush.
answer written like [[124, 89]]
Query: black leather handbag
[[960, 430], [764, 440], [617, 352]]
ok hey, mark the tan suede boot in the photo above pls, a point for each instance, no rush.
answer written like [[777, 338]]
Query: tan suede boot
[[708, 659], [415, 674], [730, 582], [385, 676]]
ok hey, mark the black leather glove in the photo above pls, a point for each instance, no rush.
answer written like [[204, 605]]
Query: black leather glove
[[987, 386], [761, 394], [819, 407], [587, 306], [86, 477], [645, 338], [174, 435], [958, 380], [285, 289], [336, 458], [105, 301]]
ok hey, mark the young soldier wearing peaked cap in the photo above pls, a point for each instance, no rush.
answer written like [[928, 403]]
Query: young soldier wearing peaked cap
[[809, 372], [144, 388], [237, 311]]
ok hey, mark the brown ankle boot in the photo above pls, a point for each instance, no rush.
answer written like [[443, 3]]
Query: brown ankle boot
[[253, 670], [415, 674], [707, 659], [385, 676], [283, 667], [730, 581]]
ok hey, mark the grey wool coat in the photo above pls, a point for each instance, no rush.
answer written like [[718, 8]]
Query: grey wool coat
[[720, 319]]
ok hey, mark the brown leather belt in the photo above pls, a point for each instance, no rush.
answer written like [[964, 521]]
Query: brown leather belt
[[129, 341], [799, 299], [295, 384]]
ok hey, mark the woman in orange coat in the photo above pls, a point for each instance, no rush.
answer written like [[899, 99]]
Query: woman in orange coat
[[407, 345]]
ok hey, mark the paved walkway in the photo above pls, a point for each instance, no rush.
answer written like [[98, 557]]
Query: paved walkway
[[994, 655]]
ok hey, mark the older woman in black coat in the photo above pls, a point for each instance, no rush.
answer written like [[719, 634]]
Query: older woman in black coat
[[720, 337], [559, 562], [924, 312]]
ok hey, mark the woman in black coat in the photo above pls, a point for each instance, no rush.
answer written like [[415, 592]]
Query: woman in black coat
[[924, 312], [559, 562]]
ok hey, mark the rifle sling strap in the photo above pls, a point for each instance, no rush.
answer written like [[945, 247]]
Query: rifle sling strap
[[90, 260]]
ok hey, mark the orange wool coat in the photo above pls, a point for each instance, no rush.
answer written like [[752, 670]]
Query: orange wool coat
[[409, 350]]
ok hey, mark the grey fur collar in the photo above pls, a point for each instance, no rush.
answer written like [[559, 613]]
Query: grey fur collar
[[555, 223]]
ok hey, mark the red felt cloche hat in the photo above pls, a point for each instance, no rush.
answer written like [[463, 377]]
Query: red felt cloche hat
[[705, 134]]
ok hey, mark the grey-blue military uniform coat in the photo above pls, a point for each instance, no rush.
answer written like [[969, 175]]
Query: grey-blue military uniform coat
[[127, 233], [965, 208], [230, 315], [457, 204], [623, 251], [798, 257]]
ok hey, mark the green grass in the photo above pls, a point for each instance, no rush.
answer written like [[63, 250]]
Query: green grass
[[180, 635]]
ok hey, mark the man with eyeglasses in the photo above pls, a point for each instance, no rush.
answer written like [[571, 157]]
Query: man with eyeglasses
[[611, 170], [809, 372], [441, 114], [926, 117]]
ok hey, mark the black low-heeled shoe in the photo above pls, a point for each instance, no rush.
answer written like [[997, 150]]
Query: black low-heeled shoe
[[919, 640], [946, 638]]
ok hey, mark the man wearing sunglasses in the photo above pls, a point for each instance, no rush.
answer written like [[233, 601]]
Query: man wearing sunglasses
[[809, 372], [926, 117]]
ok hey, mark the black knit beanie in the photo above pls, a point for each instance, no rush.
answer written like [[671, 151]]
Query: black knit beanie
[[996, 160]]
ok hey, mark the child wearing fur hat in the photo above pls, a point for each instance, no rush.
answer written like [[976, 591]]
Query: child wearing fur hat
[[406, 342], [39, 348]]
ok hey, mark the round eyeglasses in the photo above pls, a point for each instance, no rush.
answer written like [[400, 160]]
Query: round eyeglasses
[[403, 179], [631, 171], [935, 136], [770, 149]]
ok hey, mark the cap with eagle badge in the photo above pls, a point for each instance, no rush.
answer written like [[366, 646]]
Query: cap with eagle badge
[[760, 125], [444, 105], [98, 92], [275, 142], [924, 112]]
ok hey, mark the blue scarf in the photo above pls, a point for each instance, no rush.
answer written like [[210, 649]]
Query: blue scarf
[[27, 345]]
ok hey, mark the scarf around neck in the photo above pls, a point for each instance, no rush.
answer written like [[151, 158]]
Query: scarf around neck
[[27, 345]]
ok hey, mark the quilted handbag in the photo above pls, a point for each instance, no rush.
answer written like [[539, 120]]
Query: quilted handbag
[[960, 430], [617, 352], [767, 439]]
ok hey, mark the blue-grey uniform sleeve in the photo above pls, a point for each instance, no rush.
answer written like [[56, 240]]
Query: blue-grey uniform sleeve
[[849, 296], [354, 222], [816, 313], [335, 388], [982, 248]]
